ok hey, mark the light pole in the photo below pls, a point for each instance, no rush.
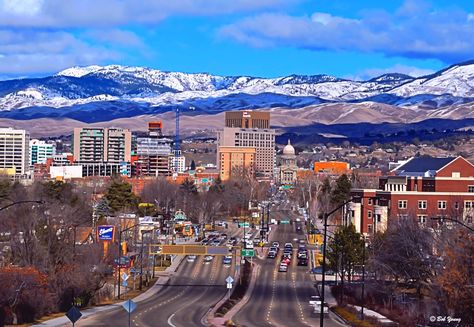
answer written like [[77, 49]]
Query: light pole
[[20, 202], [120, 256], [141, 254], [323, 278]]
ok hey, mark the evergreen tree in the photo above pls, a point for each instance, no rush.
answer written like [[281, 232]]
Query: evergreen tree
[[342, 190], [119, 196], [193, 165], [189, 186], [217, 186]]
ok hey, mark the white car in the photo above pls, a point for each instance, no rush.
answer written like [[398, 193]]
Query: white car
[[191, 258], [249, 245], [208, 258]]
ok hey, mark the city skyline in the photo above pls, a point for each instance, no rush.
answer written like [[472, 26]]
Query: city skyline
[[267, 38]]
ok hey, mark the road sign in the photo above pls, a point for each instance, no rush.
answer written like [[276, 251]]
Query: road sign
[[229, 286], [229, 280], [244, 224], [129, 306], [247, 253], [125, 276], [285, 222], [73, 314], [124, 283]]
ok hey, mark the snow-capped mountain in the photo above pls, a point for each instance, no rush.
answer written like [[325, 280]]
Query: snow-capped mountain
[[97, 93]]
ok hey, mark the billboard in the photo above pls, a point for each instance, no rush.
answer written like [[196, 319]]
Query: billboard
[[105, 232]]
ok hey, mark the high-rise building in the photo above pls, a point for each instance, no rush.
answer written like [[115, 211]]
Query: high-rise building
[[40, 151], [247, 119], [236, 161], [153, 157], [94, 145], [262, 140], [14, 151]]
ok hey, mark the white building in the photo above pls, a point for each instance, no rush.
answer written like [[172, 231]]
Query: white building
[[14, 151], [177, 161], [65, 172], [40, 151]]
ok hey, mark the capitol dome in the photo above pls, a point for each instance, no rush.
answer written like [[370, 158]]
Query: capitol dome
[[288, 150]]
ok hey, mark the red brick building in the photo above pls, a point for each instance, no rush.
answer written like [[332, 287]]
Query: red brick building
[[420, 189]]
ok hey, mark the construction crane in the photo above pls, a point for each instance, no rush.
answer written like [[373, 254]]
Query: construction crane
[[177, 140]]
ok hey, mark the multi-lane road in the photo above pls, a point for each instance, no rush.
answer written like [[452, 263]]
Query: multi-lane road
[[282, 298], [277, 299]]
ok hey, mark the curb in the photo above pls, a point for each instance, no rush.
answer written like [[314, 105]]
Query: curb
[[162, 280]]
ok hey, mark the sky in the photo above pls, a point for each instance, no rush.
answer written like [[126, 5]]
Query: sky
[[267, 38]]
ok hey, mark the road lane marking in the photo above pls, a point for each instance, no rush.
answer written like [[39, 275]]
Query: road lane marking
[[169, 321]]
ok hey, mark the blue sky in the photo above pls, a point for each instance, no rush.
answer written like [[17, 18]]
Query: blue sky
[[351, 39]]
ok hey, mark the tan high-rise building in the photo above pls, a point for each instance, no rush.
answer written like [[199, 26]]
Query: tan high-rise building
[[235, 160], [247, 119], [14, 151], [111, 145], [262, 140]]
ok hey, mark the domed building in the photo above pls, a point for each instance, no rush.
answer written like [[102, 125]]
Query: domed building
[[288, 168]]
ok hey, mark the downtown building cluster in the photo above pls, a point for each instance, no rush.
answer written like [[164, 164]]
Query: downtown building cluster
[[102, 152]]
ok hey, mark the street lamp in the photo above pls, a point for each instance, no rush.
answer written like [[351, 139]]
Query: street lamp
[[323, 279], [453, 220], [120, 256], [20, 202], [141, 254]]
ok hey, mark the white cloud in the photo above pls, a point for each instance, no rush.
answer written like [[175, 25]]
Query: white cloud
[[401, 69], [445, 35], [21, 7]]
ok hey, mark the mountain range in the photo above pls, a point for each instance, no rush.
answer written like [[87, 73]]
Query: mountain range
[[96, 94]]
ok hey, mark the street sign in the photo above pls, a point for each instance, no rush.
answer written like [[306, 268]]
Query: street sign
[[247, 253], [244, 224], [229, 286], [105, 233], [125, 276], [73, 314], [284, 222], [129, 306], [229, 280], [124, 283]]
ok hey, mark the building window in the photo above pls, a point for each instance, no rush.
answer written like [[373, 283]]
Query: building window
[[468, 205], [369, 201], [470, 188], [456, 174], [370, 229], [421, 219], [442, 205], [402, 204], [422, 204], [456, 205], [402, 217], [369, 214]]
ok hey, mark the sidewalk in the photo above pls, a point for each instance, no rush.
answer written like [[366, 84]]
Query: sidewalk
[[162, 280]]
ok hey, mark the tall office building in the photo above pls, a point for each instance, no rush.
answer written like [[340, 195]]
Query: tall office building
[[262, 140], [247, 119], [14, 151], [153, 157], [236, 160], [94, 145], [40, 151]]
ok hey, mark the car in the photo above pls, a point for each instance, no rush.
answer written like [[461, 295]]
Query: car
[[191, 258], [223, 236], [275, 249], [248, 235], [215, 242], [286, 260], [248, 245], [302, 241], [288, 250], [276, 244], [288, 245], [205, 241], [271, 255], [302, 261], [283, 267], [227, 260], [256, 241], [208, 258]]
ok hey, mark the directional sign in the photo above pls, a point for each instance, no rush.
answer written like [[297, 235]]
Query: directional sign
[[125, 276], [73, 314], [229, 286], [124, 283], [285, 222], [244, 225], [229, 280], [247, 253], [129, 306]]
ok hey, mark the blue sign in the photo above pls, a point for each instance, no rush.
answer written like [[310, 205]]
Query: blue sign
[[129, 306], [105, 232]]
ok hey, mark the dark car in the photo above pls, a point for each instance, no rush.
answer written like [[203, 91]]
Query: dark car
[[302, 261]]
